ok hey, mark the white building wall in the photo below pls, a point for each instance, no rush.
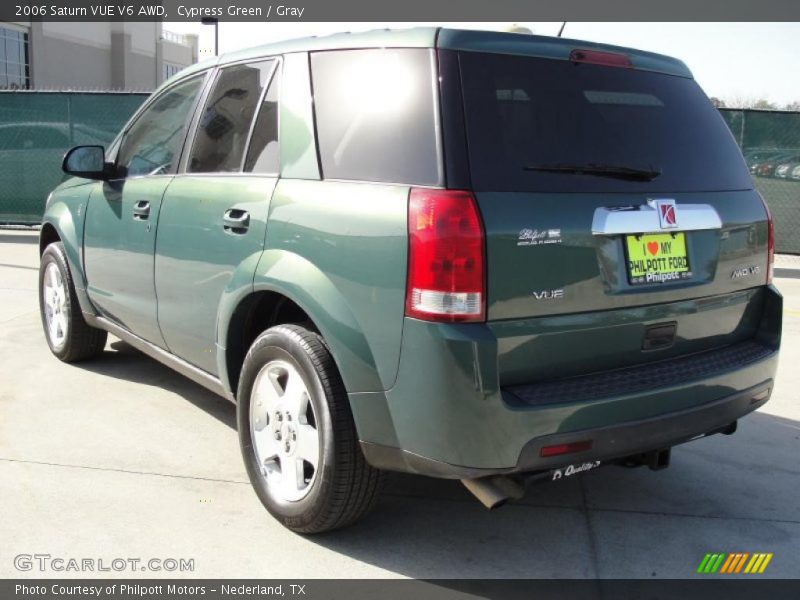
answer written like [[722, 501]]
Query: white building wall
[[103, 56]]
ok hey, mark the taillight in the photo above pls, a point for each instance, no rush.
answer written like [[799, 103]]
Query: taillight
[[770, 243], [599, 57], [446, 257]]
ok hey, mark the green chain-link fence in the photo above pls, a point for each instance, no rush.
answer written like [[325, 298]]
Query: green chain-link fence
[[770, 142], [36, 128]]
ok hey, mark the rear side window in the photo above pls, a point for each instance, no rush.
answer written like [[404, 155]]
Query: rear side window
[[376, 115], [531, 120], [227, 116], [263, 155]]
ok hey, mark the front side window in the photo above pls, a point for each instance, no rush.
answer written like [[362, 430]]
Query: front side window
[[152, 145], [226, 119], [14, 59], [375, 112]]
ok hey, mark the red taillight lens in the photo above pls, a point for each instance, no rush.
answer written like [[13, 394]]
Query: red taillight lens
[[446, 264], [770, 243], [571, 448], [598, 57]]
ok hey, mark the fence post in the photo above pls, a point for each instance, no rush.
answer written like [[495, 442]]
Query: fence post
[[70, 124], [741, 129]]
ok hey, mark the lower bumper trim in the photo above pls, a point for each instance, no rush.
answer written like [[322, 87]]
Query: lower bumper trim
[[612, 442]]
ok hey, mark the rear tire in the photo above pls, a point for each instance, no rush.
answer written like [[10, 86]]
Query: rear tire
[[68, 335], [289, 392]]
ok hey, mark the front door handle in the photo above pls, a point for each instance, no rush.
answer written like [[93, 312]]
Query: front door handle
[[236, 221], [141, 210]]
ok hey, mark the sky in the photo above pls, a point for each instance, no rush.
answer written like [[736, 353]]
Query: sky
[[729, 60]]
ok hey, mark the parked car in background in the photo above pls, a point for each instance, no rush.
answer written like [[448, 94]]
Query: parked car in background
[[759, 155], [449, 253], [795, 174], [767, 167], [783, 170]]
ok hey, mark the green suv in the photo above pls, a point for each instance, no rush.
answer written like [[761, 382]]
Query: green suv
[[484, 256]]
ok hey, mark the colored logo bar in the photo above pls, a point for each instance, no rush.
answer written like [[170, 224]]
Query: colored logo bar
[[734, 562]]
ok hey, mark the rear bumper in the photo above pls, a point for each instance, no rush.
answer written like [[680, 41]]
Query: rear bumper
[[608, 443], [648, 434], [448, 416]]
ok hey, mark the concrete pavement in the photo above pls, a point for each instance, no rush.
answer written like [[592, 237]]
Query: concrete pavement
[[122, 458]]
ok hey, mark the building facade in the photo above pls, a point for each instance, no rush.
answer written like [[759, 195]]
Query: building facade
[[91, 56]]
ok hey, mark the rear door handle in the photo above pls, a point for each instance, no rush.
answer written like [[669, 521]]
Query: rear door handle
[[236, 221], [141, 210]]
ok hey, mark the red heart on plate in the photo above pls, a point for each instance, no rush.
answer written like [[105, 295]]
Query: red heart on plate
[[652, 248]]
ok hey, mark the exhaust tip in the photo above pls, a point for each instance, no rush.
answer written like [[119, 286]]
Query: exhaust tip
[[494, 491]]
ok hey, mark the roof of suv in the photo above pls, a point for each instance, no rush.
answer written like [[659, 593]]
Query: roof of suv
[[453, 39]]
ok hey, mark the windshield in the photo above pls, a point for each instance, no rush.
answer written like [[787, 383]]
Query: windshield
[[546, 125]]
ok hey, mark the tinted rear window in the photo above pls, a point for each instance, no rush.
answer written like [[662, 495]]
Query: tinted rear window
[[375, 114], [524, 113]]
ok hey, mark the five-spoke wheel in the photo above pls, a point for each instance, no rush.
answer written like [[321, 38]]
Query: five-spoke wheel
[[69, 336], [284, 431], [56, 311], [297, 434]]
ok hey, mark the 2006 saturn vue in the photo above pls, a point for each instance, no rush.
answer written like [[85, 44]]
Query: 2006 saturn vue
[[473, 255]]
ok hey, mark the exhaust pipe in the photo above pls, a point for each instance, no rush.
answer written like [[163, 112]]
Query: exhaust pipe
[[495, 490]]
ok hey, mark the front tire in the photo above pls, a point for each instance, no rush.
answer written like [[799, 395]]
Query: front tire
[[297, 435], [70, 338]]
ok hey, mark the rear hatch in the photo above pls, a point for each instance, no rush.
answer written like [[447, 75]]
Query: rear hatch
[[621, 221]]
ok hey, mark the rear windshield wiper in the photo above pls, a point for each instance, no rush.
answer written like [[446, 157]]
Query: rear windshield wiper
[[601, 170]]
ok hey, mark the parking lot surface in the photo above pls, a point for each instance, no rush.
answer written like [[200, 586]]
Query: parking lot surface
[[122, 458]]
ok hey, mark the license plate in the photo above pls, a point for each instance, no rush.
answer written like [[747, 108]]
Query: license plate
[[657, 258]]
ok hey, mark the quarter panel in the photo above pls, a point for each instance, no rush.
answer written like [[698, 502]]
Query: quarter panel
[[344, 250], [304, 284]]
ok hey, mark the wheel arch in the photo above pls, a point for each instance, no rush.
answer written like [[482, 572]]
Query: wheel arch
[[288, 288], [59, 225], [47, 235]]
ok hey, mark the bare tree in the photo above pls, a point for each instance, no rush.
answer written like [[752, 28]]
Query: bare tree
[[762, 103], [749, 102]]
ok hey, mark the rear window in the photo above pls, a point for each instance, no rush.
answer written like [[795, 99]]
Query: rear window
[[531, 120], [375, 115]]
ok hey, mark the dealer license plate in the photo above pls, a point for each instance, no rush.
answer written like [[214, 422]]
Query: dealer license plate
[[657, 258]]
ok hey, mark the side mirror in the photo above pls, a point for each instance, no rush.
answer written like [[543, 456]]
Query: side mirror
[[86, 161]]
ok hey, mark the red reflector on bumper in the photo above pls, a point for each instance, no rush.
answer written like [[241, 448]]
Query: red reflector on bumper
[[570, 448]]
